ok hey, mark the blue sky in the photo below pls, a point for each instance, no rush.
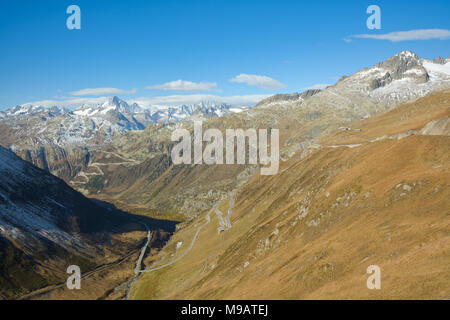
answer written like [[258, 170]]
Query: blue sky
[[130, 45]]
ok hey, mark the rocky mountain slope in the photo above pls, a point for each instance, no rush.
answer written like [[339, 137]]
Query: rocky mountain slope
[[45, 226], [374, 193], [135, 171], [60, 140], [363, 180]]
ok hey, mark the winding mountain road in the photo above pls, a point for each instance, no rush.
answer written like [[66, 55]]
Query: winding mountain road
[[144, 248], [139, 273], [208, 220]]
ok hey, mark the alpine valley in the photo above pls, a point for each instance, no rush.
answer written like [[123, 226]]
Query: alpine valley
[[364, 179]]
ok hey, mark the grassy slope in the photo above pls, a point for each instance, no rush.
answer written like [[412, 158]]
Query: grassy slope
[[312, 230]]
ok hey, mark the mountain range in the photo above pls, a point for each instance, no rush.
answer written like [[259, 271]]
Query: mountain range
[[95, 124], [375, 193], [363, 180], [135, 170], [59, 139]]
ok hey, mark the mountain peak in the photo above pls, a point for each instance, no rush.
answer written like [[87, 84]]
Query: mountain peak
[[115, 100], [407, 54], [403, 57], [402, 63]]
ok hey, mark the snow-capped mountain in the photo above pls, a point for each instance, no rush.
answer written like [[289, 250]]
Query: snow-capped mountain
[[381, 87], [60, 139], [93, 125], [112, 104], [199, 111], [402, 77], [31, 110]]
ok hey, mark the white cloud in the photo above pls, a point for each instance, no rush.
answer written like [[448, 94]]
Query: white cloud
[[173, 100], [319, 86], [420, 34], [185, 86], [258, 81], [101, 92]]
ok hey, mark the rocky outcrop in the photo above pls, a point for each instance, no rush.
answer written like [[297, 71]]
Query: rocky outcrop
[[397, 67], [437, 127], [381, 82]]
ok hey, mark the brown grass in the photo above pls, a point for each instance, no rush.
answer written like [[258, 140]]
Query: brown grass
[[311, 231]]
